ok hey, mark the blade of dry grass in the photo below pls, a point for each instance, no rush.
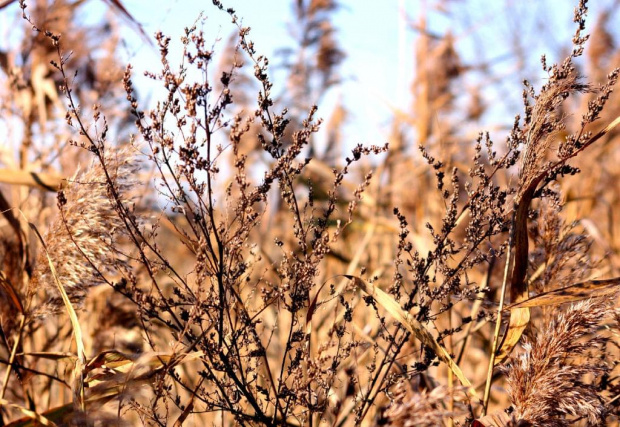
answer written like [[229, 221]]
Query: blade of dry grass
[[16, 344], [474, 312], [489, 380], [519, 318], [42, 181], [577, 292], [415, 327], [496, 419], [34, 418], [7, 212], [188, 409], [78, 383], [7, 286], [50, 355]]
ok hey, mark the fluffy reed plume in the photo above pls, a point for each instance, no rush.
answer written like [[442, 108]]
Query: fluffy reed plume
[[82, 240], [556, 375], [423, 409]]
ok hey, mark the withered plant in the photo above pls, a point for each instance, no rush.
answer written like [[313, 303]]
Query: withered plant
[[215, 268]]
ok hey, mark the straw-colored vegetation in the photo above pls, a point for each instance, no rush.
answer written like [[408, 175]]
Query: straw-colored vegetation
[[210, 264]]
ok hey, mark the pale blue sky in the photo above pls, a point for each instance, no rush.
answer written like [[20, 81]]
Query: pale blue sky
[[370, 39], [379, 44]]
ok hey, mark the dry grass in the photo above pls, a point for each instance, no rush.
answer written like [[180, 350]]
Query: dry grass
[[225, 270]]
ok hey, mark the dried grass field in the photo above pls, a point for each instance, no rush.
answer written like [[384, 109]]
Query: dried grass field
[[201, 259]]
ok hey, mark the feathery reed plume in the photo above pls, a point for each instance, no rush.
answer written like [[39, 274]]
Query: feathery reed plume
[[556, 375], [82, 240]]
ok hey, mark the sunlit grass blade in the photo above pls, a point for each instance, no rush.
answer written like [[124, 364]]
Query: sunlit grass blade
[[577, 292], [415, 327], [78, 383]]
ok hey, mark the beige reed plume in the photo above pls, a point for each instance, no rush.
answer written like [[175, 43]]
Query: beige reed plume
[[82, 240]]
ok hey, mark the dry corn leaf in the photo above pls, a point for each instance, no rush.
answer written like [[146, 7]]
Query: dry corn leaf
[[112, 373], [60, 416], [312, 309]]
